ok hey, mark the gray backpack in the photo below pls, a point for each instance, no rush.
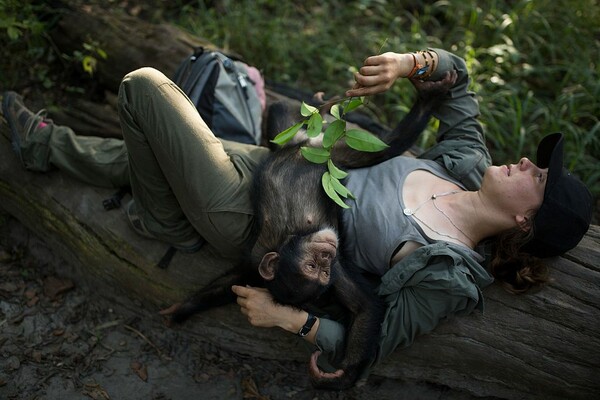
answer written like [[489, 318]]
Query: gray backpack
[[223, 93]]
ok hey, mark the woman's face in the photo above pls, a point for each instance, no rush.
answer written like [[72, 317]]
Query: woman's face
[[516, 188]]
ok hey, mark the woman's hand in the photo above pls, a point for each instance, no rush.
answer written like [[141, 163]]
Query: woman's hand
[[379, 73], [258, 305]]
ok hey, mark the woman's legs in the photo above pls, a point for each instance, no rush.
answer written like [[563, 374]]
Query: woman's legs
[[41, 145], [184, 180]]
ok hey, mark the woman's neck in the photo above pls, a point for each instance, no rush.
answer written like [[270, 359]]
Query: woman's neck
[[476, 216]]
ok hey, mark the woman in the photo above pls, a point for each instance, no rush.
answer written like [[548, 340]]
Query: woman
[[428, 264], [432, 214]]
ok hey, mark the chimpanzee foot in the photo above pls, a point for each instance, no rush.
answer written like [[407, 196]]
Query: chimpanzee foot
[[317, 373], [170, 310]]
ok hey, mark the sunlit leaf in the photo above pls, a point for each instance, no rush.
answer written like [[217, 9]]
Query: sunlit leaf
[[353, 104], [287, 135], [315, 124], [364, 141], [334, 131], [328, 187], [102, 53], [315, 154], [335, 111], [306, 109], [335, 171], [89, 64], [341, 189]]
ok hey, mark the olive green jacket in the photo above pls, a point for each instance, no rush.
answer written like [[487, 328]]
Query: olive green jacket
[[439, 280]]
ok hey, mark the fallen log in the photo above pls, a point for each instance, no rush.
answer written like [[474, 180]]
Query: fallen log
[[544, 345]]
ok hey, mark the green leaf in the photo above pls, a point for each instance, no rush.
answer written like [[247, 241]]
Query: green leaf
[[102, 53], [315, 155], [328, 187], [315, 124], [341, 189], [89, 64], [364, 141], [335, 111], [335, 171], [353, 104], [288, 134], [306, 110], [13, 33], [334, 131]]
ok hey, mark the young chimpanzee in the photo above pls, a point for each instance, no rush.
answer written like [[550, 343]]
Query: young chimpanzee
[[295, 254]]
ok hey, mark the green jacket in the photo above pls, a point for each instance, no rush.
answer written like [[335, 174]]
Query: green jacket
[[439, 280]]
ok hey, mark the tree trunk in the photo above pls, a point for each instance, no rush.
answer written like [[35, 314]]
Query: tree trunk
[[544, 345]]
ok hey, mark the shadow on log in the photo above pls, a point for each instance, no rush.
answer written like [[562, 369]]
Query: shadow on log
[[545, 345]]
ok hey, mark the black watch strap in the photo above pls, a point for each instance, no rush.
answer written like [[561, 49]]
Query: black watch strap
[[310, 321]]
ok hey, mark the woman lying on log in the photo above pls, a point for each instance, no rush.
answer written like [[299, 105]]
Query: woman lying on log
[[434, 230]]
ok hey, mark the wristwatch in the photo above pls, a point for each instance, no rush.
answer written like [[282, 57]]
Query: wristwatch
[[310, 321]]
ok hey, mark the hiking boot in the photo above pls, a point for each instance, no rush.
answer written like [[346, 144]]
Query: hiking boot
[[137, 224], [21, 121]]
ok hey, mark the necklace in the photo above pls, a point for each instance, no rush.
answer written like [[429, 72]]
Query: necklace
[[409, 211], [432, 198], [453, 224]]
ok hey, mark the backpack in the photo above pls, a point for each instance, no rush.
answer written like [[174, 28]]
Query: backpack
[[224, 94]]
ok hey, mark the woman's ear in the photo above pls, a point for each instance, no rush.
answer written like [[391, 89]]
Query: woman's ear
[[524, 222]]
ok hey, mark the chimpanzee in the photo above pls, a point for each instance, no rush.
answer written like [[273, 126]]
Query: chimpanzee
[[295, 254]]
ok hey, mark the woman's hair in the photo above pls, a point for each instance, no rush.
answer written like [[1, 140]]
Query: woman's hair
[[518, 271]]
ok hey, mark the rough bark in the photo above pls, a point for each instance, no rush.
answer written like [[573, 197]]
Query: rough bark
[[544, 345]]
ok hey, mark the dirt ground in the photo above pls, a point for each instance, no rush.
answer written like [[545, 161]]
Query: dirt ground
[[61, 338]]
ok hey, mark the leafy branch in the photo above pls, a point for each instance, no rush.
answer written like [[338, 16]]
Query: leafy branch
[[335, 132]]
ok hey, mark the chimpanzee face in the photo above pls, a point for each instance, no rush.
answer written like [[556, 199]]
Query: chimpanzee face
[[306, 268]]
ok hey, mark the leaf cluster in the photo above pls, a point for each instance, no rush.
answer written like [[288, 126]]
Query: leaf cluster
[[334, 133]]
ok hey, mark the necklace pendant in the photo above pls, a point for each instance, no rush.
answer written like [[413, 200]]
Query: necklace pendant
[[408, 211]]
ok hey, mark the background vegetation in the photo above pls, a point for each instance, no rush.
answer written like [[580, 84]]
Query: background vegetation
[[534, 63]]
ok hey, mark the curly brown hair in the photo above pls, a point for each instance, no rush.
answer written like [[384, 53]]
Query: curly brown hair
[[518, 271]]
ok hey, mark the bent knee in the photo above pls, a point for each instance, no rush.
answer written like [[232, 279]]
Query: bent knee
[[140, 83], [144, 77]]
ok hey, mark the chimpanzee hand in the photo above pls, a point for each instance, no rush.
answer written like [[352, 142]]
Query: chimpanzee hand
[[429, 89]]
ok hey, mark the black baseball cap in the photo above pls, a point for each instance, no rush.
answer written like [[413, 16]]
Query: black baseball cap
[[566, 211]]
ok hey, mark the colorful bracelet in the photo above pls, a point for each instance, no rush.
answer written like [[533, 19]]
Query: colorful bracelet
[[418, 71]]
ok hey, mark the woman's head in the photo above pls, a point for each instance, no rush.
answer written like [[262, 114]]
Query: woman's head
[[566, 210], [556, 224], [543, 197]]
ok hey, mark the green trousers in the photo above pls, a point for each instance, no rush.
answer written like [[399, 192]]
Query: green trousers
[[184, 180]]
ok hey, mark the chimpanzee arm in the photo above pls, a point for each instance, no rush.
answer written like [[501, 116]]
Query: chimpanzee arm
[[215, 294], [362, 334], [408, 130]]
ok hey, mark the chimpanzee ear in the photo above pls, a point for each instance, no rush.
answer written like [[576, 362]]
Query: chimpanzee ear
[[268, 266]]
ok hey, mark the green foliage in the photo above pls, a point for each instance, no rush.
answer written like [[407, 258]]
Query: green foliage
[[28, 56], [88, 56], [334, 133], [534, 63], [24, 51]]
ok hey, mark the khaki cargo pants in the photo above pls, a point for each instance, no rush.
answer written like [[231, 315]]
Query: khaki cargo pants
[[184, 180]]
